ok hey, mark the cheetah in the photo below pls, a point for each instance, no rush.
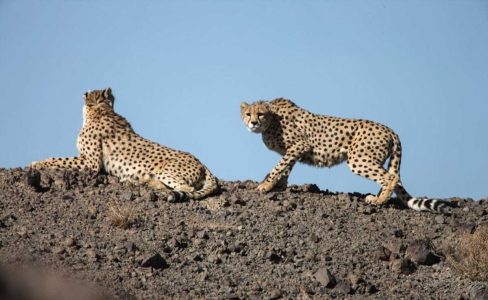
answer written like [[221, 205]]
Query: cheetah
[[108, 143], [325, 141]]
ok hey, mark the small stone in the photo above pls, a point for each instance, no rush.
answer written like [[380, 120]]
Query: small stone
[[344, 288], [395, 246], [155, 261], [91, 253], [354, 279], [149, 196], [325, 278], [23, 232], [314, 238], [382, 253], [214, 259], [126, 196], [402, 266], [202, 234], [367, 210], [232, 296], [236, 200], [59, 250], [69, 242], [276, 294], [354, 205], [439, 219], [131, 247]]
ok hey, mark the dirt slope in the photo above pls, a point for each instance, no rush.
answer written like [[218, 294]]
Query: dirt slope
[[302, 243]]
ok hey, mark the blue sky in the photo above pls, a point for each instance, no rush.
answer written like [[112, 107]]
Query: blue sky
[[179, 70]]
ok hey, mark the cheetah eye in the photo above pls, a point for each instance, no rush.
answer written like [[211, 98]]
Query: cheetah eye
[[260, 115], [248, 114]]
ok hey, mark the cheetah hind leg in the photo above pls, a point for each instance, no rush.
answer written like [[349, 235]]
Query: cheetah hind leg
[[390, 182], [179, 189], [163, 191], [378, 174]]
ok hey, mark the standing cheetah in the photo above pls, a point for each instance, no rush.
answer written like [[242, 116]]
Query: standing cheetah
[[325, 141], [107, 142]]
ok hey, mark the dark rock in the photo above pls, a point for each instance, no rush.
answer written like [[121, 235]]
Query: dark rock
[[275, 258], [33, 179], [68, 198], [371, 289], [311, 188], [398, 233], [325, 278], [155, 261], [273, 196], [421, 253]]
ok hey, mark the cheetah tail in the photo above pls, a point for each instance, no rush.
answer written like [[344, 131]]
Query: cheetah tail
[[210, 186], [396, 156], [424, 204]]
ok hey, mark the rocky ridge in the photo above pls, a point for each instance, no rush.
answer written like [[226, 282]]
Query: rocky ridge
[[302, 243]]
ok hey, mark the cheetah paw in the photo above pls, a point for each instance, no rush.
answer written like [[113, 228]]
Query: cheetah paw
[[375, 200], [264, 187], [372, 199], [36, 164]]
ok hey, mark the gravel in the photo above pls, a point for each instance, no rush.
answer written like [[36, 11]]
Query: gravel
[[240, 244]]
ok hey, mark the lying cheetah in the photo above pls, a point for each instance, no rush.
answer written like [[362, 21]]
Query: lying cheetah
[[325, 141], [108, 143]]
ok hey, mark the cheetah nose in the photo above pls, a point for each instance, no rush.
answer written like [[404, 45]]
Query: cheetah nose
[[254, 122]]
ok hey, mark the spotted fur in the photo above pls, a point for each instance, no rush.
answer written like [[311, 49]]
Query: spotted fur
[[325, 141], [108, 143]]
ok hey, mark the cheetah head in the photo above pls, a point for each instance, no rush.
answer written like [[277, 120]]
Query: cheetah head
[[99, 97], [256, 116]]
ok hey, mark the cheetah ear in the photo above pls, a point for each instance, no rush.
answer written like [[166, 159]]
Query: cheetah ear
[[85, 95], [244, 105], [107, 92]]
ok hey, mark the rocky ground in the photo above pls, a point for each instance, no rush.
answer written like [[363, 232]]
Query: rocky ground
[[128, 242]]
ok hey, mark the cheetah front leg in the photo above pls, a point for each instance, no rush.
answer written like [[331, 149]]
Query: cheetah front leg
[[89, 159], [280, 172], [70, 163]]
